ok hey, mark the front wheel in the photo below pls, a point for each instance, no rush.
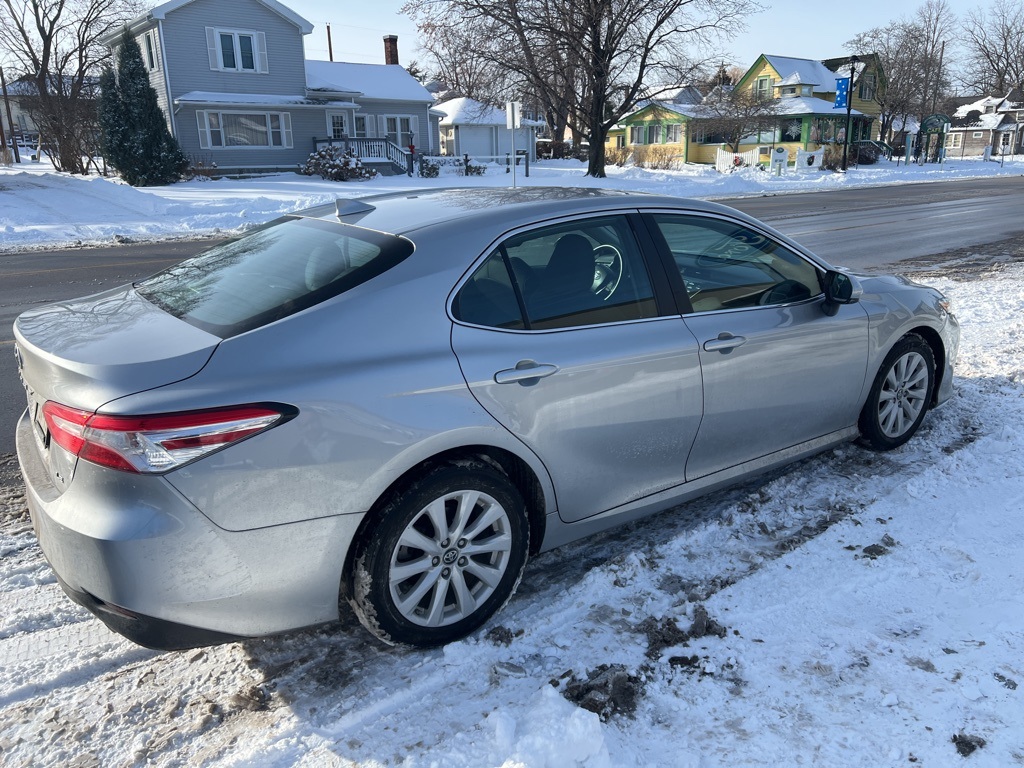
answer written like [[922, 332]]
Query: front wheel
[[900, 394], [448, 552]]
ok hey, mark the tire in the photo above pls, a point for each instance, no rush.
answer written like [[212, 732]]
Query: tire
[[447, 554], [900, 394]]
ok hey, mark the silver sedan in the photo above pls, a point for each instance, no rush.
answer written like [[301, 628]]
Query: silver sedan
[[392, 402]]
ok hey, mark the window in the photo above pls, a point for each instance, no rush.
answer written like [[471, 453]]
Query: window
[[763, 87], [725, 265], [360, 128], [620, 142], [336, 126], [977, 134], [237, 50], [244, 129], [953, 140], [151, 60], [866, 90], [673, 133], [271, 273], [398, 130], [636, 134], [585, 272], [653, 134]]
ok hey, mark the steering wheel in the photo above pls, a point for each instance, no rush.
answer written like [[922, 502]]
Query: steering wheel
[[607, 270]]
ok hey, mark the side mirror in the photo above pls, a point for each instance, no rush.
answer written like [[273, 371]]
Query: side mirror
[[840, 288]]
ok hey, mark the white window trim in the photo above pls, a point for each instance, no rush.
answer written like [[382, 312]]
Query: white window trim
[[382, 123], [977, 134], [205, 141], [216, 52], [149, 52]]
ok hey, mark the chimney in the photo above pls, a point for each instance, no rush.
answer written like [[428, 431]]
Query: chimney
[[390, 49]]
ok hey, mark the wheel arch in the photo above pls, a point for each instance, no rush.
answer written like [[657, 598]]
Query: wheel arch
[[519, 473], [933, 340]]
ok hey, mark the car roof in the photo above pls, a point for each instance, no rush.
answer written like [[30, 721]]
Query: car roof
[[401, 213]]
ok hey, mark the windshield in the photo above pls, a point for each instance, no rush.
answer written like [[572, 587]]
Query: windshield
[[275, 271]]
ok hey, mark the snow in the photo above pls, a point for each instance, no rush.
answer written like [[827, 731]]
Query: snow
[[466, 111], [41, 209], [389, 82], [211, 97], [859, 609]]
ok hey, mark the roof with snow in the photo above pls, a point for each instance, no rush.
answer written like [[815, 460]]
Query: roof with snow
[[388, 82], [810, 105], [263, 99], [806, 72], [466, 111], [675, 94], [161, 11]]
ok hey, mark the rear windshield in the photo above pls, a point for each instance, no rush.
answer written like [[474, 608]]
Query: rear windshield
[[272, 272]]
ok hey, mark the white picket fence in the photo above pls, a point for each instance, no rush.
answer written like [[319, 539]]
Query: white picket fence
[[726, 162]]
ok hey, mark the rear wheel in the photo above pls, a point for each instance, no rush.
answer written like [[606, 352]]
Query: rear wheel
[[448, 552], [900, 394]]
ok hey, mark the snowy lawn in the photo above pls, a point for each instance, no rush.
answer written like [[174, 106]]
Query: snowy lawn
[[39, 208], [860, 609]]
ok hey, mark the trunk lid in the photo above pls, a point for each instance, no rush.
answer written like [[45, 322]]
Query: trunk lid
[[87, 352]]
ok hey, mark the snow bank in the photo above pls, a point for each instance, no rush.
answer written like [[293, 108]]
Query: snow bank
[[48, 210]]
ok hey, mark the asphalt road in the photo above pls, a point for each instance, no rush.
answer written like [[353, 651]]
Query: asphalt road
[[864, 228]]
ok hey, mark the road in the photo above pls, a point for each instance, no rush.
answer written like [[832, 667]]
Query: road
[[863, 228]]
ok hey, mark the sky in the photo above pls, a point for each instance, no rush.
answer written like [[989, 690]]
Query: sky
[[785, 27]]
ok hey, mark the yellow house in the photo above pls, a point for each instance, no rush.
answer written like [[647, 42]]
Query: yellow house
[[805, 90]]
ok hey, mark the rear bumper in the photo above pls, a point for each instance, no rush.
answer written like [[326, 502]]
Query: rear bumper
[[155, 569]]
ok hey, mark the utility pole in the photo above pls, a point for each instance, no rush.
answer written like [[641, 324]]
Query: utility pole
[[330, 48]]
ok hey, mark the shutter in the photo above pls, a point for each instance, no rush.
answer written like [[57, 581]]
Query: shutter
[[204, 136], [414, 128], [211, 46], [371, 126], [382, 126], [286, 129], [261, 52]]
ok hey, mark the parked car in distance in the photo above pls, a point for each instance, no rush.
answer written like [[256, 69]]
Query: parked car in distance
[[393, 402]]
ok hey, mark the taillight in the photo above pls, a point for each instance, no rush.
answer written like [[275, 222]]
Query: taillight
[[156, 443]]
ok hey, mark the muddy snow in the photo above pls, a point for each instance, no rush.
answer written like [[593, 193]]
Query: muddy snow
[[859, 609]]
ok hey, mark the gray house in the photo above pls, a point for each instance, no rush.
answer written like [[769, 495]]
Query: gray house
[[232, 78]]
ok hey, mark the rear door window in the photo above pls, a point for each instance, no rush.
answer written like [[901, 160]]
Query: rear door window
[[273, 272], [585, 272]]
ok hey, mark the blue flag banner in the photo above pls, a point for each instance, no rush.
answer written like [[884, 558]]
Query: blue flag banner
[[842, 92]]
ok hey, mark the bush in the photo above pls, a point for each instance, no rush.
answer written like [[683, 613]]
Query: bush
[[617, 156], [865, 154], [474, 170], [429, 169], [336, 164], [659, 157]]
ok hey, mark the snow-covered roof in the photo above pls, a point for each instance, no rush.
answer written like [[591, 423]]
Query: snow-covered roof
[[466, 111], [983, 123], [262, 99], [806, 72], [810, 105], [388, 82], [980, 105], [686, 110], [675, 94], [161, 11]]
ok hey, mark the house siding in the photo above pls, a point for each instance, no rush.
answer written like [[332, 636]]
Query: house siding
[[306, 123], [188, 56]]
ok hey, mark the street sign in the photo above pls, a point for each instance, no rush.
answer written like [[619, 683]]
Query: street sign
[[513, 115]]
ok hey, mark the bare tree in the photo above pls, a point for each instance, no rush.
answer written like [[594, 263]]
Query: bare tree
[[589, 61], [993, 41], [734, 113], [55, 44], [912, 53]]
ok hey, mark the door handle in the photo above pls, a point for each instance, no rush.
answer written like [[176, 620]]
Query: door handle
[[724, 343], [525, 370]]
